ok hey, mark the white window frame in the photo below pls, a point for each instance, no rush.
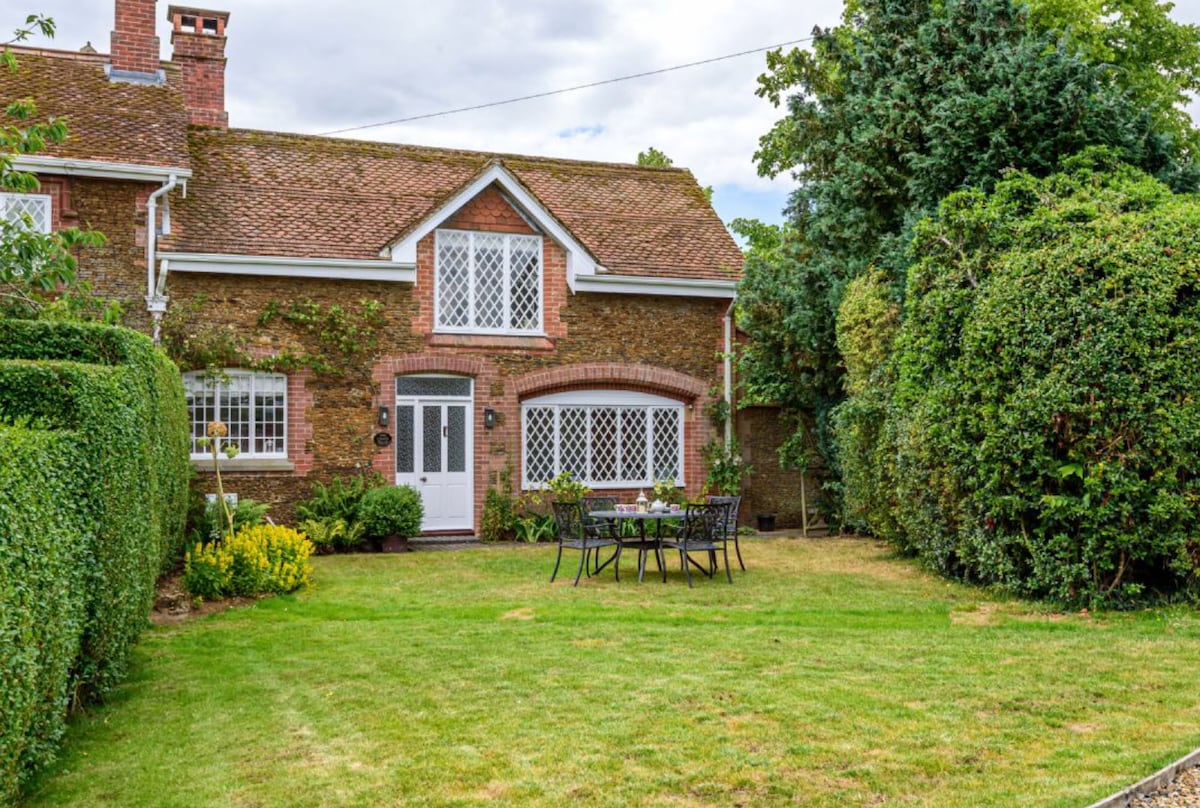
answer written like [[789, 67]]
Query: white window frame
[[602, 399], [7, 199], [473, 328], [200, 381]]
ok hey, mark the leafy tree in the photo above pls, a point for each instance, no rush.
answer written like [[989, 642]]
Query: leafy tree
[[903, 103], [1045, 423], [37, 270]]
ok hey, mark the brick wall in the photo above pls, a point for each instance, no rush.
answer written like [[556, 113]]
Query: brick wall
[[659, 345], [134, 46], [198, 48], [771, 489]]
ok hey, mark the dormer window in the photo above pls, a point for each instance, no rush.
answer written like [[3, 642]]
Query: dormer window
[[488, 283], [26, 210]]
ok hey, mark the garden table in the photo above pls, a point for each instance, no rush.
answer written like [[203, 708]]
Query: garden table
[[642, 543]]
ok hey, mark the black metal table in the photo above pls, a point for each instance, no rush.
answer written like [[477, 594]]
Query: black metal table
[[642, 543]]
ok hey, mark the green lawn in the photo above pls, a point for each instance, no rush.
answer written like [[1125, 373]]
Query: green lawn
[[830, 674]]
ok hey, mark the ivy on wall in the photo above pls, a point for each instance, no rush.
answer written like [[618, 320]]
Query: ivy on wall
[[341, 336]]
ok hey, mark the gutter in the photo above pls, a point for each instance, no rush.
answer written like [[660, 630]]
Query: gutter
[[654, 285], [156, 301], [729, 375], [69, 167]]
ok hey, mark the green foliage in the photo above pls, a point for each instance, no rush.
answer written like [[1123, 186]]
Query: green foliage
[[392, 510], [207, 523], [653, 157], [725, 467], [342, 336], [257, 560], [900, 105], [331, 535], [498, 521], [666, 491], [37, 270], [867, 325], [111, 470], [566, 488], [1045, 415], [340, 499]]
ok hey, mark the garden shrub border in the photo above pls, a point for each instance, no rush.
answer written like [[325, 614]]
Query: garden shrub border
[[93, 495]]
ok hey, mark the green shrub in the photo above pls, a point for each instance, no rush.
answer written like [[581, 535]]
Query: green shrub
[[207, 523], [338, 500], [391, 511], [498, 521], [330, 535], [1047, 426], [261, 559], [116, 475]]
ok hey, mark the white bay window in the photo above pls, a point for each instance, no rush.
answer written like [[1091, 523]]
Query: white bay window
[[252, 405], [604, 438], [488, 283]]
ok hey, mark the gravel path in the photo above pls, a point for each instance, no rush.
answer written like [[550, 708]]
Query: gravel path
[[1183, 792]]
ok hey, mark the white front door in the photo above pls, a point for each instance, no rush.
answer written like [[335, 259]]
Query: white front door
[[433, 455]]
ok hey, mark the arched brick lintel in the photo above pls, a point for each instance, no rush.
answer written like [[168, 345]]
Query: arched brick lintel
[[612, 374], [433, 363]]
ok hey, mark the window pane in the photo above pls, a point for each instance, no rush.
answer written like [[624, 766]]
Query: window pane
[[572, 441], [525, 272], [404, 439], [666, 444], [36, 207], [539, 444], [431, 434], [456, 438], [253, 407], [604, 445], [453, 279], [425, 387], [633, 444], [489, 281], [269, 415]]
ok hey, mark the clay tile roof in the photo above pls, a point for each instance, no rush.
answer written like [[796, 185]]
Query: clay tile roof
[[112, 122], [266, 193]]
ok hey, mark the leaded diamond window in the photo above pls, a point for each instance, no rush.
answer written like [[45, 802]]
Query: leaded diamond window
[[488, 283], [252, 405], [26, 210], [605, 438]]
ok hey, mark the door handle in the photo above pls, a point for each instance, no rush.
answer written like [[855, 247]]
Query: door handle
[[445, 431], [424, 479]]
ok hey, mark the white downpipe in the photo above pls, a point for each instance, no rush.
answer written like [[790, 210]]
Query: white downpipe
[[156, 303], [729, 375]]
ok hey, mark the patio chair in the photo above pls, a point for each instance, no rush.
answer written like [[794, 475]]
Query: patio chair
[[599, 528], [571, 534], [731, 523], [703, 531]]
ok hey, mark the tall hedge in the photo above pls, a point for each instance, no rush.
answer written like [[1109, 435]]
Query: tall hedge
[[104, 424], [1046, 417]]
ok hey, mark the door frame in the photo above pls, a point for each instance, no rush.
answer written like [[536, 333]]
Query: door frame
[[417, 402]]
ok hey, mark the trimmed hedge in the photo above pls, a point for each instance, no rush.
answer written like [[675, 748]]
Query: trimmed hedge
[[93, 496]]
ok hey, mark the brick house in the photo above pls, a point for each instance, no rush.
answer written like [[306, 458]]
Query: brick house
[[533, 315]]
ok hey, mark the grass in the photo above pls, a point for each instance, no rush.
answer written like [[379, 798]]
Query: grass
[[830, 674]]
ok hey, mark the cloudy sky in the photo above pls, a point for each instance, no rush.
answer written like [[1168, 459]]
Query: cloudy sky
[[315, 66]]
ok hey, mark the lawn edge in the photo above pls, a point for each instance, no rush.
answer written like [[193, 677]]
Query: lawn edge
[[1160, 778]]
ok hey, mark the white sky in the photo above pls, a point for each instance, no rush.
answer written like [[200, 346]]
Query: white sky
[[313, 66]]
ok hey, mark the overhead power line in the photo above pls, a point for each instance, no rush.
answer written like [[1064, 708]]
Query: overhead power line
[[577, 87]]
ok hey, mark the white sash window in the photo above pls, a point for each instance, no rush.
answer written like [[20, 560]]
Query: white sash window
[[252, 405], [14, 208], [488, 283], [604, 438]]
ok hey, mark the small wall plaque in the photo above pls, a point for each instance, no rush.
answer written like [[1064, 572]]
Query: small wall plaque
[[383, 439]]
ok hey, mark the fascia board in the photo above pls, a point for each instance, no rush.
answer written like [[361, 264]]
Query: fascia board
[[655, 286], [287, 267], [41, 164]]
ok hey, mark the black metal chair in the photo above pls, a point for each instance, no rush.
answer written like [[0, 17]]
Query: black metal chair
[[703, 531], [571, 533], [601, 528], [731, 523]]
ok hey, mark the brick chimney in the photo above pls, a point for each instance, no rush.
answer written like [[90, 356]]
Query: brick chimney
[[198, 47], [134, 47]]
